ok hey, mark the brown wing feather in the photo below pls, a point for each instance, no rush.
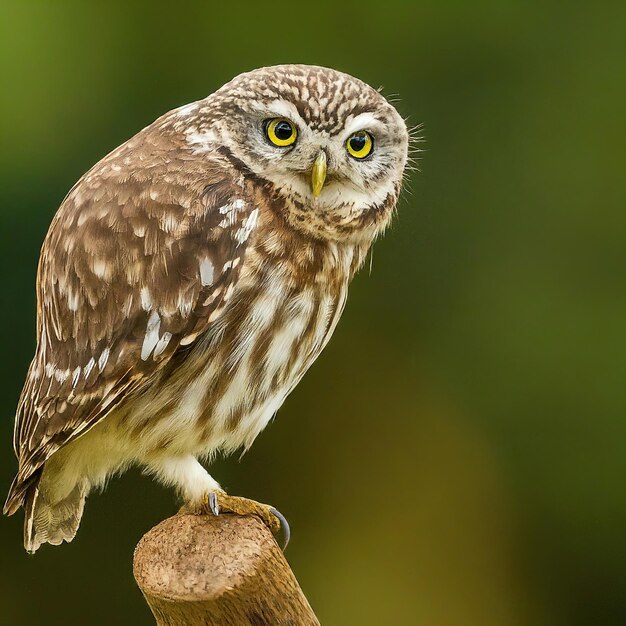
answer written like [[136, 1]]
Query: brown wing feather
[[133, 268]]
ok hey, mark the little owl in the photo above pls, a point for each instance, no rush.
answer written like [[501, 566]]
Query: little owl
[[190, 279]]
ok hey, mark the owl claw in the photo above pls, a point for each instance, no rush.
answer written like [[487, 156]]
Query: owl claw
[[214, 506], [220, 502], [284, 525]]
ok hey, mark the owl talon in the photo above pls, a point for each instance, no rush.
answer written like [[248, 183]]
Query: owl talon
[[284, 524], [219, 503], [214, 506]]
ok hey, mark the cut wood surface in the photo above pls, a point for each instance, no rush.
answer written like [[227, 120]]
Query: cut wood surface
[[219, 571]]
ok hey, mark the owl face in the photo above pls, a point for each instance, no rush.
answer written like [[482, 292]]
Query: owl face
[[329, 149]]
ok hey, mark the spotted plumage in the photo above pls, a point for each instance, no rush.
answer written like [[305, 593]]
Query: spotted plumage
[[189, 280]]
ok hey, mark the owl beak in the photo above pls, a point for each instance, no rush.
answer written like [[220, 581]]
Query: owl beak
[[318, 174]]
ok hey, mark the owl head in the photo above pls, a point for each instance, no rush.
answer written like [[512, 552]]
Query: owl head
[[329, 149]]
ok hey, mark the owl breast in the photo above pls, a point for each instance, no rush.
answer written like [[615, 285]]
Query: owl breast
[[222, 392]]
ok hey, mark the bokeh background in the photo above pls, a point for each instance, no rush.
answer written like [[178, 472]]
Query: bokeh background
[[457, 455]]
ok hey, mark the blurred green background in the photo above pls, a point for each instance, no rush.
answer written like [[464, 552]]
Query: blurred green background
[[457, 455]]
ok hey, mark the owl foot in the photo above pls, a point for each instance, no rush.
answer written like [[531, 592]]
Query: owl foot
[[219, 502]]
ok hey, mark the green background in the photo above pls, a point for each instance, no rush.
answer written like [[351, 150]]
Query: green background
[[457, 455]]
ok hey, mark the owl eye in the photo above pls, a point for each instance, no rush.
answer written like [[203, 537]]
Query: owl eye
[[360, 144], [281, 132]]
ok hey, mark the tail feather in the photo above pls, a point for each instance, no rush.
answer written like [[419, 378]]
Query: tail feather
[[48, 522], [18, 490]]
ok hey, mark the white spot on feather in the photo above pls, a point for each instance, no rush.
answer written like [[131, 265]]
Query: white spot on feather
[[146, 299], [168, 223], [100, 268], [75, 377], [229, 292], [152, 335], [184, 305], [72, 301], [206, 271], [235, 205], [185, 341], [242, 233], [162, 344], [230, 211], [104, 357], [90, 365]]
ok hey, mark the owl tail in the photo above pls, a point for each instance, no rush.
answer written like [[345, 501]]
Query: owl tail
[[47, 522]]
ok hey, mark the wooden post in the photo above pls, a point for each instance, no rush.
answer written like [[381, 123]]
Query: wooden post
[[224, 570]]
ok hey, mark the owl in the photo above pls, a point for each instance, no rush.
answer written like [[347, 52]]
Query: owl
[[189, 280]]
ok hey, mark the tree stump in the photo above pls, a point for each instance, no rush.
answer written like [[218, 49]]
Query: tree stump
[[224, 570]]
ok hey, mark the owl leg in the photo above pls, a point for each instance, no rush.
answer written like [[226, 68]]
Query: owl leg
[[187, 475], [219, 502]]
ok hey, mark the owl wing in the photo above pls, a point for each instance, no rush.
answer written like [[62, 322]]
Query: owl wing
[[133, 269]]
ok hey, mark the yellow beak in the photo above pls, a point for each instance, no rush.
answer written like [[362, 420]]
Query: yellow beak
[[318, 174]]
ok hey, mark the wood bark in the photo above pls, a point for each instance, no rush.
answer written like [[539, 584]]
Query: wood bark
[[224, 570]]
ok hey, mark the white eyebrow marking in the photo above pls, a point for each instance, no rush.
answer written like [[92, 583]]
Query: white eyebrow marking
[[282, 108], [363, 121]]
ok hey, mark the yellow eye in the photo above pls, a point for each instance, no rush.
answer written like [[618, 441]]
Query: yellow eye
[[360, 144], [281, 132]]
